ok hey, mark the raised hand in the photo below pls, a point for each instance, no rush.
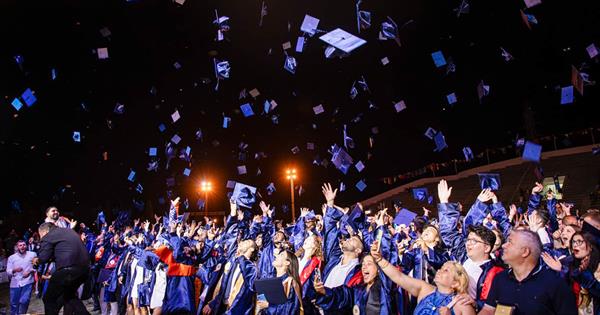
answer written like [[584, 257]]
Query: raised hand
[[537, 189], [329, 193], [375, 251], [175, 203], [485, 195], [157, 218], [512, 212], [303, 212], [426, 212], [443, 191], [319, 287], [552, 262], [566, 207], [232, 207], [266, 209], [73, 224]]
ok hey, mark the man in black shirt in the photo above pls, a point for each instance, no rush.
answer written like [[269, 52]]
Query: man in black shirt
[[64, 247], [527, 287]]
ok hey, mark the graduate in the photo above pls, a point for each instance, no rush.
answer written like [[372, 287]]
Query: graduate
[[234, 293], [371, 297], [310, 268], [286, 265]]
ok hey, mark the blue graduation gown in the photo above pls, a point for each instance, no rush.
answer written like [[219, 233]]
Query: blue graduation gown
[[346, 300], [291, 306], [243, 303]]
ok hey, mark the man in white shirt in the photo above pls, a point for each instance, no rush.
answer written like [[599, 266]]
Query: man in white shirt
[[351, 249], [20, 270]]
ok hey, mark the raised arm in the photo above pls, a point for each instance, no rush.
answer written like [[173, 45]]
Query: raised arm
[[413, 286]]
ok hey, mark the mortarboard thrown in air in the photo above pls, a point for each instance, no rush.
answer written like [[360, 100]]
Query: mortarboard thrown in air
[[244, 195], [420, 193], [361, 185], [532, 151], [16, 103], [290, 64], [483, 90], [430, 133], [131, 176], [342, 41], [222, 71], [389, 30], [28, 97], [440, 142], [438, 58], [363, 18], [76, 136], [341, 159], [566, 95], [468, 153], [309, 25], [271, 188], [247, 110], [489, 181]]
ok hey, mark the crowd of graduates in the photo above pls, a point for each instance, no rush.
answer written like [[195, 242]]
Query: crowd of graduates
[[349, 260]]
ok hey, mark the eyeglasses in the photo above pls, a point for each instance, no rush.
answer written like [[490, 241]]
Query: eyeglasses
[[577, 242], [472, 240]]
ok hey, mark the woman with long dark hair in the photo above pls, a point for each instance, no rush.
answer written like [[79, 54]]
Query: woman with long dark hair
[[286, 266], [584, 273]]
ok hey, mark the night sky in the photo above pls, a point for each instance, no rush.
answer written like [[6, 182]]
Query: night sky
[[43, 165]]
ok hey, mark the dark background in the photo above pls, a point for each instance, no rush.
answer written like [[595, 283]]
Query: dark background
[[42, 165]]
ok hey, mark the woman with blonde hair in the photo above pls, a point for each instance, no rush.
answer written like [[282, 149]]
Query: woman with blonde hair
[[310, 268], [286, 266], [450, 280]]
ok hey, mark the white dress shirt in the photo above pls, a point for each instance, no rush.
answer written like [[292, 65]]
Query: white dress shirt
[[24, 261]]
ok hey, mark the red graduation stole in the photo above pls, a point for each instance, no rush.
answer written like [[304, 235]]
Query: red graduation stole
[[99, 253], [308, 270], [487, 282], [175, 269]]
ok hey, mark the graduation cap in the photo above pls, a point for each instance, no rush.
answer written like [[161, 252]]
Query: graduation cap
[[152, 152], [405, 217], [451, 98], [468, 153], [162, 127], [139, 188], [226, 121], [438, 58], [532, 151], [28, 97], [483, 90], [400, 106], [271, 188], [300, 44], [531, 3], [102, 53], [361, 185], [363, 18], [592, 50], [389, 30], [341, 159], [76, 136], [16, 103], [290, 64], [440, 142], [131, 176], [430, 133], [244, 195], [187, 172], [566, 95], [420, 193], [309, 25], [343, 40], [489, 181], [222, 70], [359, 166], [247, 110]]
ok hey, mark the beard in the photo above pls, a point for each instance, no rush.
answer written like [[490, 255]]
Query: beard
[[55, 216]]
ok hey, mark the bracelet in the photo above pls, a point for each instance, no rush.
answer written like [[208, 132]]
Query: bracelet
[[380, 259], [383, 267]]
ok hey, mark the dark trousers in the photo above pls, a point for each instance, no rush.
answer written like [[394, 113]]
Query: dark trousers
[[62, 291]]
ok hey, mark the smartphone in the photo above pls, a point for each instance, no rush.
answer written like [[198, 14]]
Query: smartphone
[[261, 297], [378, 238], [317, 277]]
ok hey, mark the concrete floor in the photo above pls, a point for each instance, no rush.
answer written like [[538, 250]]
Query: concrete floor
[[36, 306]]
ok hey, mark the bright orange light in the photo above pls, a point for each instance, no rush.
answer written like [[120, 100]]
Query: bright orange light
[[205, 186], [291, 174]]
